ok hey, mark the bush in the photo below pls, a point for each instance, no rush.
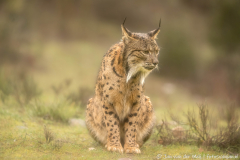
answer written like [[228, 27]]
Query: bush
[[177, 58], [61, 112], [21, 86], [199, 131]]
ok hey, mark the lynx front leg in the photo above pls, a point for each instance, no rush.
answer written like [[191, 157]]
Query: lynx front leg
[[113, 133], [130, 126]]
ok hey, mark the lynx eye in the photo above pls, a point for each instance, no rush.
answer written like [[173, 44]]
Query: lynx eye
[[145, 52]]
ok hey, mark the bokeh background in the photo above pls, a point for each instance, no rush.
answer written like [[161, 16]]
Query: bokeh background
[[61, 44], [51, 52]]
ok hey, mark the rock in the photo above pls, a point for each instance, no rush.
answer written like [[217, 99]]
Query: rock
[[178, 132], [77, 122], [91, 148], [21, 127]]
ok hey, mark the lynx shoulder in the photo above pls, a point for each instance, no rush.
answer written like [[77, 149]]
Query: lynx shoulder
[[120, 116]]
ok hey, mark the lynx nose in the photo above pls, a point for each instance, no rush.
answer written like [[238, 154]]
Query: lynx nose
[[155, 62]]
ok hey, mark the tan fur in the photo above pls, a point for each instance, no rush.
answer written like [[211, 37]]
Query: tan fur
[[120, 115]]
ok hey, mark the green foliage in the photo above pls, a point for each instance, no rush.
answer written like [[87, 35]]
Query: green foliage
[[5, 87], [177, 58], [22, 87], [224, 32], [25, 89], [80, 97], [57, 89], [60, 112]]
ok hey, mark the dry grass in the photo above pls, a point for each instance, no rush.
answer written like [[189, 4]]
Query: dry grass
[[48, 135], [198, 131]]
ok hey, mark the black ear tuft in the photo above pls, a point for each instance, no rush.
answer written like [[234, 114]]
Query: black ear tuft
[[159, 23], [124, 20]]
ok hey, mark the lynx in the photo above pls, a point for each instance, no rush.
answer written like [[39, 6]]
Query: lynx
[[120, 116]]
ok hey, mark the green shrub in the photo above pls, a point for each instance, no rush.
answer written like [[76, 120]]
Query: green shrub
[[177, 58], [61, 112]]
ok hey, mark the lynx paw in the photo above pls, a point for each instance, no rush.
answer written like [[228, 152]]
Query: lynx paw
[[132, 150], [114, 148]]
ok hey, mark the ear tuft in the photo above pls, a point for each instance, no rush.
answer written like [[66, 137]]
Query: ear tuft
[[125, 32], [155, 32]]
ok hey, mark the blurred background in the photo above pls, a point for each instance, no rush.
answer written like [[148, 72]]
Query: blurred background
[[50, 47]]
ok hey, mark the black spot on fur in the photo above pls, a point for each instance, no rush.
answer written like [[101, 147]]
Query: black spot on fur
[[110, 113], [130, 123], [125, 120], [111, 129], [138, 96], [115, 123], [106, 107], [107, 83], [104, 65], [103, 106], [106, 112], [107, 124], [134, 114], [112, 61], [146, 119], [104, 76], [115, 116], [106, 95], [111, 88], [134, 103], [103, 123]]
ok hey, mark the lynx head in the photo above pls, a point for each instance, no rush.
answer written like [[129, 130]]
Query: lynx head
[[141, 51]]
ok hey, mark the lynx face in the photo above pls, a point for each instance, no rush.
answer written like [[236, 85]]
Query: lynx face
[[142, 51]]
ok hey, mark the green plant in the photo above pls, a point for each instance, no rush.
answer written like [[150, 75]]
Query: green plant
[[61, 111]]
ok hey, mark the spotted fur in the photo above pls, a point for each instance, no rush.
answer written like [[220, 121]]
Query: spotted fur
[[120, 116]]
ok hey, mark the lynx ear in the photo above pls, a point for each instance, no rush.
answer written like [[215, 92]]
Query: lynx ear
[[125, 32], [155, 32]]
